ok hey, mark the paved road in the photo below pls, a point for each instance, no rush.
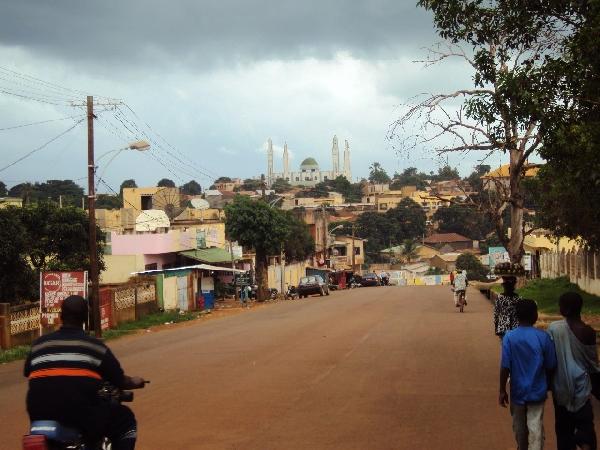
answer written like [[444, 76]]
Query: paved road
[[371, 368]]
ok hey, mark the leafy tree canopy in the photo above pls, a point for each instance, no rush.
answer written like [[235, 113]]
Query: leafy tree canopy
[[107, 201], [251, 185], [446, 173], [39, 237], [68, 190], [165, 182], [470, 263], [280, 185], [410, 177], [127, 184], [474, 179], [463, 219], [407, 221], [223, 180], [377, 174], [3, 190], [191, 188]]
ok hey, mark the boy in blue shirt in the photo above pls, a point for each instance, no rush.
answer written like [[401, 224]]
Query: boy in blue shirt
[[528, 357]]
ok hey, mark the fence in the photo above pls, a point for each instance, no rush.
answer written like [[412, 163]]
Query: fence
[[582, 267], [20, 324]]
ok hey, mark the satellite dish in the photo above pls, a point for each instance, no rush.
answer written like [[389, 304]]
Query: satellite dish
[[168, 200], [200, 203], [151, 219]]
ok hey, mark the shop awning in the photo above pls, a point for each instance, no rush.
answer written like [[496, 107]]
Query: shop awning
[[208, 255], [196, 266]]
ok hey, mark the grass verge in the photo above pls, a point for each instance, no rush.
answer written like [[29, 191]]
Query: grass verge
[[150, 320], [546, 292], [14, 354], [160, 318]]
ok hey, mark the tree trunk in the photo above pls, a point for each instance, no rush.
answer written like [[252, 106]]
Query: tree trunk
[[515, 244], [262, 275]]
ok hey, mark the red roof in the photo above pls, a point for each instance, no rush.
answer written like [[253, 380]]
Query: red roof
[[443, 238]]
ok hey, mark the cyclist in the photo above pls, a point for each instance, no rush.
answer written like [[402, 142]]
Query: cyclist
[[460, 288]]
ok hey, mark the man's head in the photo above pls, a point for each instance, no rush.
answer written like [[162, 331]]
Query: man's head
[[74, 311], [570, 304], [527, 313], [509, 283]]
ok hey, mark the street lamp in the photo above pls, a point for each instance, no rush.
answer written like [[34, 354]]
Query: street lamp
[[329, 236], [93, 245]]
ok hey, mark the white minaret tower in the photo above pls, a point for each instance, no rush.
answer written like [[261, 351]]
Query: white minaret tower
[[347, 171], [335, 157], [269, 162], [286, 163]]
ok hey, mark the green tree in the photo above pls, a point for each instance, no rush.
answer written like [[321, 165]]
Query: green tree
[[17, 279], [3, 190], [463, 219], [280, 185], [470, 263], [165, 182], [474, 179], [127, 184], [406, 221], [107, 201], [409, 250], [409, 177], [501, 112], [66, 191], [377, 174], [446, 173], [254, 224], [223, 180], [191, 188], [57, 238], [251, 185], [300, 244]]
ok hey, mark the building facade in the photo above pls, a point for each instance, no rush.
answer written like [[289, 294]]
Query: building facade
[[309, 173]]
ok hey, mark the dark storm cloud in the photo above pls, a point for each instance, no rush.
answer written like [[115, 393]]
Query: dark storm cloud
[[204, 33]]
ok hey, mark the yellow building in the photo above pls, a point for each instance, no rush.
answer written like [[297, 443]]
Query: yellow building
[[5, 202], [145, 198], [501, 176]]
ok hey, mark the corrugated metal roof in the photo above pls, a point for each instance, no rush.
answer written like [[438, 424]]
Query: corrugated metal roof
[[208, 255]]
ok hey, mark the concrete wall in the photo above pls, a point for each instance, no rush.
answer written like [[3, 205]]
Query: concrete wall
[[152, 243], [170, 293], [119, 268], [291, 277], [580, 266]]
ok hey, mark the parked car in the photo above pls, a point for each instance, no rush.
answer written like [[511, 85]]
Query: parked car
[[370, 279], [312, 284]]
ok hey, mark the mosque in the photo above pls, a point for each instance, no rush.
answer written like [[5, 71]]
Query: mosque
[[309, 173]]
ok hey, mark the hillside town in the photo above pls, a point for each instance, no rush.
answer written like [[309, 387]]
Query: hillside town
[[284, 225]]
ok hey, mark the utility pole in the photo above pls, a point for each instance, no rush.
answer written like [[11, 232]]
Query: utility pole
[[234, 274], [282, 265], [94, 292], [353, 251]]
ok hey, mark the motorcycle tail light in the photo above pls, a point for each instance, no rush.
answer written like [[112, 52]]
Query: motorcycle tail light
[[34, 442]]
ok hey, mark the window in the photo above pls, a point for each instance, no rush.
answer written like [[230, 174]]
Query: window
[[296, 202], [152, 266], [325, 178], [357, 250], [306, 178], [383, 206], [312, 170], [297, 178], [146, 201]]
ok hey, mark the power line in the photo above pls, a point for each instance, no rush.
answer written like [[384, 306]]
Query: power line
[[40, 147], [40, 122]]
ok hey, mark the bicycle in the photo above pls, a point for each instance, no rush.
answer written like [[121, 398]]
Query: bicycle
[[461, 300]]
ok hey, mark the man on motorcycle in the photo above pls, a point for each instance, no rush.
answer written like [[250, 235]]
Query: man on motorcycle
[[66, 369]]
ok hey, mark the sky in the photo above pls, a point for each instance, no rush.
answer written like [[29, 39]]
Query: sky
[[208, 82]]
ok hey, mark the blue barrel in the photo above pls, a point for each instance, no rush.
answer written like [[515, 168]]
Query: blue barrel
[[209, 299]]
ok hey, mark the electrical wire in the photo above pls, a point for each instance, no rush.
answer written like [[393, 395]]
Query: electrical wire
[[40, 122], [40, 147]]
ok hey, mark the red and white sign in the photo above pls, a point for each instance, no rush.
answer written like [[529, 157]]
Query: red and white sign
[[55, 287]]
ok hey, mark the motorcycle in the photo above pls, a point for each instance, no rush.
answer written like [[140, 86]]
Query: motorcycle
[[291, 293], [51, 435]]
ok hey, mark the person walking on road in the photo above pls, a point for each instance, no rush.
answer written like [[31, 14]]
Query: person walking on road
[[577, 356], [505, 316], [528, 357]]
